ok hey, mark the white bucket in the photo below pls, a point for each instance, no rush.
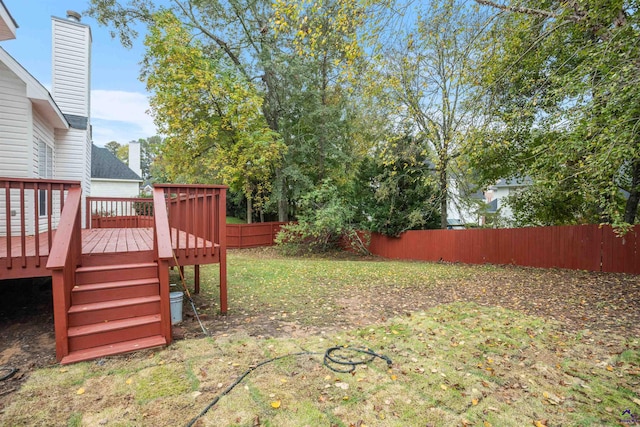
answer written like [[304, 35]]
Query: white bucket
[[175, 298]]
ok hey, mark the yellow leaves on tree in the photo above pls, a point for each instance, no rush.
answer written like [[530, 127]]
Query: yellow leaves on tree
[[210, 113]]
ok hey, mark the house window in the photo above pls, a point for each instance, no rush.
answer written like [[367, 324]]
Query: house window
[[45, 171]]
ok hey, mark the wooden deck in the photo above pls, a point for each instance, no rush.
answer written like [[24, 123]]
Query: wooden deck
[[189, 249]]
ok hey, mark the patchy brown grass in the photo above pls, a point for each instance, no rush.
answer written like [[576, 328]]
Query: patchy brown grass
[[471, 345]]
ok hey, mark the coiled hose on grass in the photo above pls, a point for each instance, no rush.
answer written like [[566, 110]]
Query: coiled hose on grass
[[337, 359]]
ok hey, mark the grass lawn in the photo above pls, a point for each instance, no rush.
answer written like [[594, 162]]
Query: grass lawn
[[234, 220], [470, 345]]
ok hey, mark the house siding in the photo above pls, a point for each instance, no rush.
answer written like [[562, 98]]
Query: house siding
[[72, 157], [71, 66], [15, 116], [42, 131], [15, 129], [100, 188]]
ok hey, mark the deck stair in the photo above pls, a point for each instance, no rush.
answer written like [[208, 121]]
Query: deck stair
[[115, 308]]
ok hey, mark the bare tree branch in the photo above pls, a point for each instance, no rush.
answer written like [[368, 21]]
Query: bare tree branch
[[527, 10]]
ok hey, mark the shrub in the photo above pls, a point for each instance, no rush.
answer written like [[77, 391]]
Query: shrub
[[325, 222]]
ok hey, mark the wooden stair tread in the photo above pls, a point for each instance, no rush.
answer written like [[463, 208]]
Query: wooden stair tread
[[115, 284], [95, 328], [113, 349], [79, 308], [115, 267]]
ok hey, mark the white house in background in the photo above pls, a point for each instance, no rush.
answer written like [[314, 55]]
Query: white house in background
[[110, 177], [462, 205], [42, 134], [496, 195]]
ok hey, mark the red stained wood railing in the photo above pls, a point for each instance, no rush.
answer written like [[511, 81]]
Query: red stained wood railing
[[23, 218], [200, 211], [119, 212], [63, 259], [163, 256]]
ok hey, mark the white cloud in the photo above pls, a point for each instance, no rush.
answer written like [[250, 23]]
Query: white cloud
[[120, 116]]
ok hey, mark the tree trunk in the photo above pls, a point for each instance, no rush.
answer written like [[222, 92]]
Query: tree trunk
[[444, 189], [631, 209], [249, 211]]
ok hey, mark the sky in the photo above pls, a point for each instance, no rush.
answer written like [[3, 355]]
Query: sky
[[119, 100]]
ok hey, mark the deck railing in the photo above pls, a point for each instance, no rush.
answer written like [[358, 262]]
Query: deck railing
[[163, 255], [200, 211], [119, 212], [30, 210], [63, 259]]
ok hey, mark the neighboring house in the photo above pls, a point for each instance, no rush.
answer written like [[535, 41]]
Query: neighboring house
[[496, 196], [42, 134], [463, 204], [110, 177]]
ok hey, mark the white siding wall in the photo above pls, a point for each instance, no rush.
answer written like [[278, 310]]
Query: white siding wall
[[72, 157], [106, 188], [15, 133], [42, 131], [71, 64], [15, 128], [505, 210], [115, 188]]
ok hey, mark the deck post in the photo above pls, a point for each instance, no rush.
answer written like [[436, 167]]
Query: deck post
[[222, 218], [196, 279]]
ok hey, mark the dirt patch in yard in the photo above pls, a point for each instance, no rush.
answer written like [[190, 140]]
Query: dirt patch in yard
[[27, 339]]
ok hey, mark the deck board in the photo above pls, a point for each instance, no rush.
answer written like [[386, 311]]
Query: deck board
[[102, 241]]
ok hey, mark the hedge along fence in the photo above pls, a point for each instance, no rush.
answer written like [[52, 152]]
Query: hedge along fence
[[252, 235], [581, 247]]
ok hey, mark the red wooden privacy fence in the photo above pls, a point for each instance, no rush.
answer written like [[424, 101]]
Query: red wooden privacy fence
[[582, 247], [252, 235]]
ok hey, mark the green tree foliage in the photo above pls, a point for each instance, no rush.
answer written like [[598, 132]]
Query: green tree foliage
[[325, 222], [395, 191], [113, 147], [210, 114], [425, 79], [148, 151], [561, 87], [296, 74]]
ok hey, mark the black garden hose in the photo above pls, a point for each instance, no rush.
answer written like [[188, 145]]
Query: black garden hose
[[332, 356], [10, 371]]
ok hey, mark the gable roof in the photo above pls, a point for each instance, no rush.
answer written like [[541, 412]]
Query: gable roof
[[8, 25], [104, 165], [36, 92], [513, 182]]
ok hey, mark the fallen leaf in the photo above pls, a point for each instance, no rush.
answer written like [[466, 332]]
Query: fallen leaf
[[80, 390], [443, 386], [393, 377], [474, 402], [129, 380], [487, 424], [275, 404], [609, 368], [540, 423]]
